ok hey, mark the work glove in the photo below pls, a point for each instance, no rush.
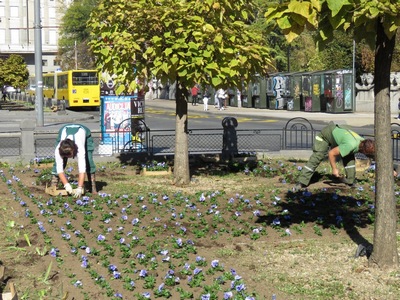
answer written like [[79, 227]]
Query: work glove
[[68, 188], [79, 191]]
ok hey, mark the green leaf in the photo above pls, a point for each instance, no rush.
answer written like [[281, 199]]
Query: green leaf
[[284, 23], [182, 73], [216, 81], [167, 51], [336, 5], [208, 28], [104, 52], [301, 8]]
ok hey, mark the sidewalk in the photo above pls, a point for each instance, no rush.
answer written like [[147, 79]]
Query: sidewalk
[[10, 120], [351, 119]]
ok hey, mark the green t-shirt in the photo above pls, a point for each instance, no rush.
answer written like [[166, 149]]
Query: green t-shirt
[[347, 140]]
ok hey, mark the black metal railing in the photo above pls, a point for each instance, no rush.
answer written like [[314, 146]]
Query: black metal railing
[[297, 134]]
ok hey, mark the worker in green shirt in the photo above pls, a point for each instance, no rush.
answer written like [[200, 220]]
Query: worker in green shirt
[[336, 141]]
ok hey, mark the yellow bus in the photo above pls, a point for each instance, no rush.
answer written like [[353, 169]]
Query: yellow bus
[[79, 88], [49, 89]]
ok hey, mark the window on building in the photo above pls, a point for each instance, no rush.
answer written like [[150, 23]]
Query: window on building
[[14, 11], [56, 62], [44, 63], [14, 36], [52, 12], [52, 37], [2, 36]]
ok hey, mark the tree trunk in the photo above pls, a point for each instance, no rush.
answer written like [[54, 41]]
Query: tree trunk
[[385, 248], [181, 162]]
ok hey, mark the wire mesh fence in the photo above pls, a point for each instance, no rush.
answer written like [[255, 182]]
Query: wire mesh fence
[[10, 146], [298, 134]]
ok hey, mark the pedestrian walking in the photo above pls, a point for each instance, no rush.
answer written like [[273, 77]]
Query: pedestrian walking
[[74, 140], [4, 94], [195, 92], [343, 143], [206, 98], [221, 95]]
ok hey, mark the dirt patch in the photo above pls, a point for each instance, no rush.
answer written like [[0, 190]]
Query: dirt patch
[[250, 223]]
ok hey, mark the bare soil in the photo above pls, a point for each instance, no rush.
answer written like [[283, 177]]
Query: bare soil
[[306, 248]]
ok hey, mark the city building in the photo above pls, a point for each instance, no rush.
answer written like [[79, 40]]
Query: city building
[[17, 30]]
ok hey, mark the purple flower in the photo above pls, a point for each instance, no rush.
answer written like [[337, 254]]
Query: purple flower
[[146, 295], [112, 267], [215, 263], [205, 297], [141, 256], [53, 252], [116, 274], [101, 237], [41, 228], [276, 222], [202, 198], [228, 295], [200, 259], [135, 221], [78, 283], [143, 273], [241, 287], [197, 271], [161, 287], [118, 295], [84, 262]]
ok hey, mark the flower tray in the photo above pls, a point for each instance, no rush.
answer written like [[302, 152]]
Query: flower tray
[[52, 190], [146, 172], [12, 295]]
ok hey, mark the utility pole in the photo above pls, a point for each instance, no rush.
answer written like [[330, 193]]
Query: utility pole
[[38, 66], [76, 57]]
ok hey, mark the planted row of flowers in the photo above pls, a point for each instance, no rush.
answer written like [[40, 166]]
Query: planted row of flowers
[[146, 245]]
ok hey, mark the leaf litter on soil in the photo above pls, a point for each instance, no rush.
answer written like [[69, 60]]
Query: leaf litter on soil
[[235, 231]]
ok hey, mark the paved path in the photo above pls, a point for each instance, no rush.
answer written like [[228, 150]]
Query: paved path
[[10, 120]]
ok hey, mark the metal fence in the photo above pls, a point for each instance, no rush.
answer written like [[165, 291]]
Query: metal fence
[[297, 134]]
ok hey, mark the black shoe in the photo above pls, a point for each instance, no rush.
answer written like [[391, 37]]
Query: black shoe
[[342, 180], [363, 250], [298, 187]]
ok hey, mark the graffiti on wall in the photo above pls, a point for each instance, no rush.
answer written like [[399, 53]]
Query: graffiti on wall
[[279, 88]]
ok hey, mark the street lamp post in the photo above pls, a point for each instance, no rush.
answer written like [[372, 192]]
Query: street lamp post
[[38, 66]]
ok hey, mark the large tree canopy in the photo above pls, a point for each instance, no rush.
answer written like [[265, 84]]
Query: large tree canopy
[[75, 34], [14, 72], [205, 42], [377, 22], [208, 42]]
